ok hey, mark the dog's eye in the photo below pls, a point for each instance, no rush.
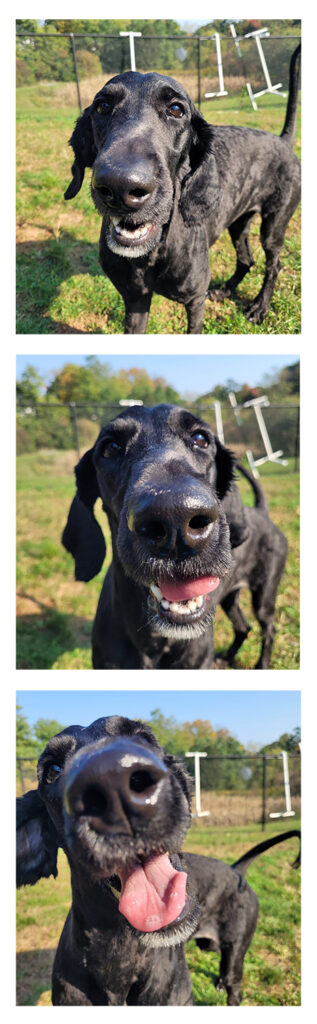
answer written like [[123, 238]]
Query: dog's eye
[[199, 439], [175, 110], [102, 107], [111, 447], [52, 773]]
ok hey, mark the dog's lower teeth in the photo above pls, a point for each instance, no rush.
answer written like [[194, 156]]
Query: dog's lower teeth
[[177, 607], [137, 232]]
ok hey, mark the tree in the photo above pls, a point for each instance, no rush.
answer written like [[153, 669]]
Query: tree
[[25, 743], [30, 387], [44, 729]]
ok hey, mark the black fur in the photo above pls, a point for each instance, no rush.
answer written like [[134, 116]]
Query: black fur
[[175, 514], [113, 800], [158, 166]]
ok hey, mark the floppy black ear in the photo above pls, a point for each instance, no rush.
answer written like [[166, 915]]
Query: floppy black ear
[[83, 536], [82, 141], [201, 188], [37, 842], [225, 462], [230, 494]]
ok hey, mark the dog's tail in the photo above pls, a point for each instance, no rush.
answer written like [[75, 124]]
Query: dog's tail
[[244, 862], [288, 131], [260, 499]]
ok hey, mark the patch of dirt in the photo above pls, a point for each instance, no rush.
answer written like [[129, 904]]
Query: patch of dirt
[[30, 231], [28, 605]]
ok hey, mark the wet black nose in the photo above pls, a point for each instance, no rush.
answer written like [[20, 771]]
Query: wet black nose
[[123, 186], [178, 517], [115, 786]]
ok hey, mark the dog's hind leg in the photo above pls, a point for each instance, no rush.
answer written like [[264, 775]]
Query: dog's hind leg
[[273, 229], [231, 971], [239, 233], [264, 598], [231, 607]]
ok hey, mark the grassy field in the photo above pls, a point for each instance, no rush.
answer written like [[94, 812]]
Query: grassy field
[[272, 965], [55, 614], [60, 286]]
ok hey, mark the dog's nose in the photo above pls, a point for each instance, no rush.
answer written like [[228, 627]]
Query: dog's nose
[[115, 786], [179, 516], [123, 186]]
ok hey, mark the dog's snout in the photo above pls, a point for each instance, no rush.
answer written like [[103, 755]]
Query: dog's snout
[[115, 786], [122, 186], [179, 516]]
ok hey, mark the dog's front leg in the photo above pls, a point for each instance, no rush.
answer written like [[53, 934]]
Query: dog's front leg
[[195, 313], [137, 314]]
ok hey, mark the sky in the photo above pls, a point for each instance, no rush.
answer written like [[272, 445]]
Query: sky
[[252, 716], [192, 374]]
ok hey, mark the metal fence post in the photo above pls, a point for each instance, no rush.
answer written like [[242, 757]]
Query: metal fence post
[[297, 441], [199, 71], [263, 792], [72, 406], [72, 39]]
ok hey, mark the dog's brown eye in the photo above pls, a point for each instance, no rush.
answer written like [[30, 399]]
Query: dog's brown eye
[[111, 448], [102, 107], [175, 110], [200, 439], [52, 773]]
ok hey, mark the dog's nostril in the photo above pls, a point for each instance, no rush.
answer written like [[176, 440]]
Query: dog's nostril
[[141, 780], [152, 530], [199, 522], [138, 193], [105, 192], [93, 801]]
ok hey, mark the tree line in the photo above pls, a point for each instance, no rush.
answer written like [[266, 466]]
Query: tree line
[[50, 56], [45, 414], [177, 738]]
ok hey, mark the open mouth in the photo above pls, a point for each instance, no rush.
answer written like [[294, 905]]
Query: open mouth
[[132, 239], [183, 603], [153, 894], [153, 898]]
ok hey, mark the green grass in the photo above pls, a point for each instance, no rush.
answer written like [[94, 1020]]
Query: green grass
[[60, 286], [55, 613], [272, 965]]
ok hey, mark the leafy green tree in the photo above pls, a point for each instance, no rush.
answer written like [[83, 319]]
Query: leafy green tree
[[25, 743], [44, 729], [30, 387]]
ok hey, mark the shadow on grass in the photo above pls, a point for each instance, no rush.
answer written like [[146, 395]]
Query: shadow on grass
[[42, 639], [34, 976], [42, 268]]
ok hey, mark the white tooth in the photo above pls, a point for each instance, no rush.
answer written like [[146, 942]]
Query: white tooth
[[156, 591], [165, 604], [191, 605], [174, 607], [199, 601]]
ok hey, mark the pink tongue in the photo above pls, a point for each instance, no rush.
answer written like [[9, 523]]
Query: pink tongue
[[153, 895], [190, 588]]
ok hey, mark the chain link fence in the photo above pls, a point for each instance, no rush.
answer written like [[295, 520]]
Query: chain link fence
[[75, 427], [235, 790], [83, 63]]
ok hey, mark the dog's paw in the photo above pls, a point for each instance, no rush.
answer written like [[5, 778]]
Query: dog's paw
[[218, 294], [256, 313], [220, 663]]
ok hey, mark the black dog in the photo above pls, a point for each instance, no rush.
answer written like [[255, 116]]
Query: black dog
[[120, 808], [167, 184], [176, 518]]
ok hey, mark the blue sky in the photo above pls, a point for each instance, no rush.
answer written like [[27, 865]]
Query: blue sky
[[196, 374], [252, 716]]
